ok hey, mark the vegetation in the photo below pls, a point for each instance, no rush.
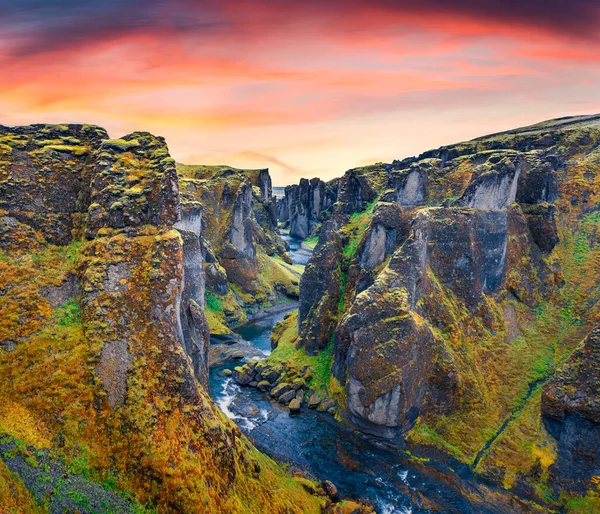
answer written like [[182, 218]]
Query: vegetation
[[285, 335]]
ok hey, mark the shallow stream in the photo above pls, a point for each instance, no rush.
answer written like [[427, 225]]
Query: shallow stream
[[315, 443]]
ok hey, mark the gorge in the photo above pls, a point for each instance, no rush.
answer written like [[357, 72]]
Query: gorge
[[418, 336]]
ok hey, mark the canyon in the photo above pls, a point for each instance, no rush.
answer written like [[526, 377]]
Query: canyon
[[440, 311]]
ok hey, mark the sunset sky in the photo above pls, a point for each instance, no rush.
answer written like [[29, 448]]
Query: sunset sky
[[306, 88]]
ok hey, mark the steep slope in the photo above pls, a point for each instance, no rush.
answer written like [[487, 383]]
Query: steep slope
[[450, 287], [103, 336]]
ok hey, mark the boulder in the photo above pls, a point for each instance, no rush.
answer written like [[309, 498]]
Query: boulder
[[242, 375], [263, 386], [295, 405], [280, 389], [313, 401], [331, 490], [286, 397]]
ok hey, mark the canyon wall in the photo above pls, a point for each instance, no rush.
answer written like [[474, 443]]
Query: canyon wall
[[306, 205], [245, 258], [450, 287], [103, 338]]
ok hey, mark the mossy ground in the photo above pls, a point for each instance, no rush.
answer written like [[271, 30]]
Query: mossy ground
[[14, 496], [50, 395], [285, 334]]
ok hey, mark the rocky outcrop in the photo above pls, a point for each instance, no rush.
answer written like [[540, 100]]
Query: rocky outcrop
[[286, 204], [495, 189], [408, 187], [388, 228], [241, 247], [304, 206], [108, 350], [571, 413], [46, 171], [320, 294], [134, 183], [357, 188], [438, 298]]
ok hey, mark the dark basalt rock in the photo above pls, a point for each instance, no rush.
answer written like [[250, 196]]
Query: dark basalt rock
[[195, 333], [44, 184], [495, 189], [388, 229], [408, 187], [541, 222], [571, 413], [134, 184], [356, 190], [320, 291], [305, 205]]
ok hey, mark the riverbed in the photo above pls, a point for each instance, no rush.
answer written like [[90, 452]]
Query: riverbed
[[315, 443]]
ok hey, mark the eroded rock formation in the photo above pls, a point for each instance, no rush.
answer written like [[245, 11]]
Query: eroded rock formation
[[571, 413], [442, 282], [103, 343], [304, 206]]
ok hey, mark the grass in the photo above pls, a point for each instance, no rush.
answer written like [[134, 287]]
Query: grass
[[355, 229], [311, 242], [286, 335]]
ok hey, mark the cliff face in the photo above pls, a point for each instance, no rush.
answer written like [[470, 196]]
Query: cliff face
[[305, 205], [103, 337], [245, 257], [571, 413], [451, 286]]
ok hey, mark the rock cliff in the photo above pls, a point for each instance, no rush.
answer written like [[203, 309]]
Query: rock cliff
[[449, 288], [245, 258], [305, 206], [103, 337]]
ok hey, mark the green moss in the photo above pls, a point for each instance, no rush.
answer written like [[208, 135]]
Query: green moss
[[68, 314], [355, 229], [285, 334], [311, 242], [122, 145], [213, 303], [589, 504]]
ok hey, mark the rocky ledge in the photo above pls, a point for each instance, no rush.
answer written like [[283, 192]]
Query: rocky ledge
[[283, 383]]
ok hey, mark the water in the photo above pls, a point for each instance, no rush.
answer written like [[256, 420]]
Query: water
[[324, 449], [298, 252], [316, 444], [258, 332]]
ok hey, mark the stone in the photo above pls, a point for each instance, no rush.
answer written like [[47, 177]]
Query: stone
[[270, 375], [295, 405], [280, 389], [298, 383], [263, 386], [243, 375], [286, 397], [331, 490], [313, 401]]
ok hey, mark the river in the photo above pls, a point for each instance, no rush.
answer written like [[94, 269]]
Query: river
[[316, 444]]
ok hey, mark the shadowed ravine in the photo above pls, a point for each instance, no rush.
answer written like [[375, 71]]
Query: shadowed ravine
[[316, 444]]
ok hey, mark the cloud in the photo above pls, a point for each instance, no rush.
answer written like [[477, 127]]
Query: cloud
[[305, 87], [39, 26]]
